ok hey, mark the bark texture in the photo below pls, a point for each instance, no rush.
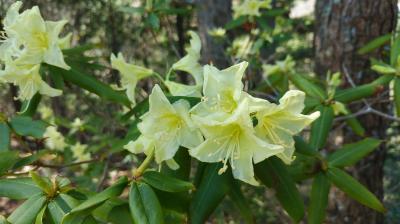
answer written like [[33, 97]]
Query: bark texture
[[212, 14], [342, 27]]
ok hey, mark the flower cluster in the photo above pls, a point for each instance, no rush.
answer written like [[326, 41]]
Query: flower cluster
[[250, 8], [26, 42], [221, 127]]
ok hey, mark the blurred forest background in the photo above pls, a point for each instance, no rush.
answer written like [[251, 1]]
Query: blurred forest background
[[311, 37]]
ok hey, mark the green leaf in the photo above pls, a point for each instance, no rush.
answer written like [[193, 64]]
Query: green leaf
[[92, 85], [356, 126], [303, 148], [27, 212], [166, 183], [212, 189], [321, 127], [384, 69], [4, 137], [144, 205], [374, 44], [29, 107], [60, 206], [120, 215], [25, 126], [3, 220], [183, 159], [236, 195], [362, 91], [27, 160], [273, 174], [396, 89], [354, 189], [43, 182], [153, 21], [319, 199], [113, 191], [40, 216], [307, 86], [18, 188], [351, 153], [394, 50], [235, 23], [7, 160]]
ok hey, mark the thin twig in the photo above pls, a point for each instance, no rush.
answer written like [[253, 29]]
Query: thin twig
[[104, 174]]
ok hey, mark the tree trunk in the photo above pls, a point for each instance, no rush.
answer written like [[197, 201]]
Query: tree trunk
[[213, 14], [342, 27]]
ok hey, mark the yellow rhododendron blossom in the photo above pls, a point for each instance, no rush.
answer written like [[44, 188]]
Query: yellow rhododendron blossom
[[250, 8], [28, 80], [278, 123], [130, 75], [164, 128], [233, 140], [222, 90], [79, 152], [54, 139], [39, 38], [189, 63]]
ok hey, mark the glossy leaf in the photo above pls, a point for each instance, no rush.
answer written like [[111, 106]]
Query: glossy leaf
[[120, 215], [7, 160], [25, 126], [144, 205], [4, 137], [40, 216], [60, 206], [321, 127], [396, 89], [29, 107], [354, 189], [273, 174], [113, 191], [356, 126], [374, 44], [18, 188], [27, 212], [311, 89], [319, 199], [303, 148], [43, 182], [212, 189], [166, 183], [351, 153]]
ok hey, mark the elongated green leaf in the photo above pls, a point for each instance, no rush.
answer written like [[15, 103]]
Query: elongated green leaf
[[25, 126], [354, 189], [303, 148], [235, 23], [29, 107], [212, 189], [30, 159], [120, 215], [4, 137], [3, 220], [321, 127], [384, 69], [351, 153], [356, 126], [27, 212], [273, 174], [113, 191], [18, 188], [40, 216], [236, 195], [394, 50], [60, 206], [183, 159], [166, 183], [319, 199], [43, 182], [362, 91], [144, 205], [308, 87], [396, 89], [91, 84], [374, 44], [7, 160]]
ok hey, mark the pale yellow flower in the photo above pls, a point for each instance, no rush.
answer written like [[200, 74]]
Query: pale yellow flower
[[79, 152], [279, 123], [233, 140], [190, 64], [28, 80], [250, 8], [130, 75], [54, 139], [164, 128]]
